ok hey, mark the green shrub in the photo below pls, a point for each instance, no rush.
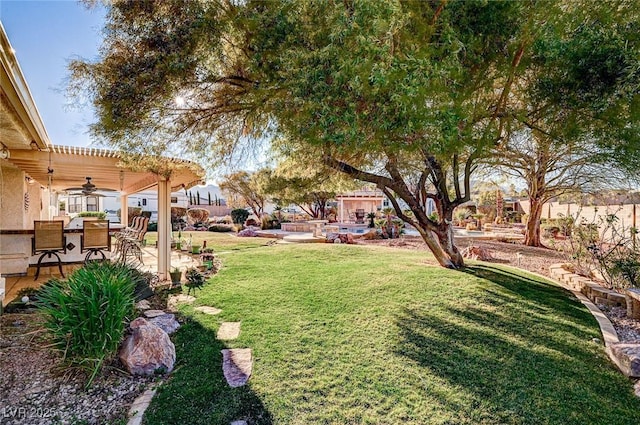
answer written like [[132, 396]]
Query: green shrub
[[101, 215], [87, 314], [239, 215], [195, 279], [152, 227]]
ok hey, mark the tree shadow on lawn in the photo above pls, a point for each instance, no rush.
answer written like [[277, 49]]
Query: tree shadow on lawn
[[197, 392], [523, 354]]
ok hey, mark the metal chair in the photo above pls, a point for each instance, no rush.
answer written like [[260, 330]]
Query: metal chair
[[95, 239], [131, 245], [48, 239]]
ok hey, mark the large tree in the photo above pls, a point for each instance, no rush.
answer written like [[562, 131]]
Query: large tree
[[408, 95], [568, 123], [310, 187], [245, 189]]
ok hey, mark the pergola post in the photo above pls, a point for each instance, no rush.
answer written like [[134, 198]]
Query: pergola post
[[164, 228], [341, 210], [124, 210]]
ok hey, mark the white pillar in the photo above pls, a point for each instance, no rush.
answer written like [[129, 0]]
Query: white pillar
[[341, 210], [124, 210], [164, 228]]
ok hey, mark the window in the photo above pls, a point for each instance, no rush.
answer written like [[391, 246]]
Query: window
[[92, 203], [75, 204], [174, 199], [144, 202]]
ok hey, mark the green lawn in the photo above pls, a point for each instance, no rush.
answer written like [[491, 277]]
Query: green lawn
[[217, 241], [365, 335]]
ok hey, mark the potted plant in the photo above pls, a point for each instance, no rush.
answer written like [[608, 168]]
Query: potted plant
[[195, 279], [195, 249], [207, 258], [176, 276], [371, 216]]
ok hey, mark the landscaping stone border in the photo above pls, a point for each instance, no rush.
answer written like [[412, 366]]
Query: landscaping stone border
[[140, 405], [625, 356]]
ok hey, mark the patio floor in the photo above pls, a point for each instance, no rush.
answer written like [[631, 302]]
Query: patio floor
[[149, 258]]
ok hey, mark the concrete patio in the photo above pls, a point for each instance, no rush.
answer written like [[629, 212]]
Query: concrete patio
[[13, 284]]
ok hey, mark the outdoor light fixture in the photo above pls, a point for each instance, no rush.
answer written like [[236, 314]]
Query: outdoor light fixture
[[121, 180], [4, 152]]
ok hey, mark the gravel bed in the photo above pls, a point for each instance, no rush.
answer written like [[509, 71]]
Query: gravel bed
[[33, 390]]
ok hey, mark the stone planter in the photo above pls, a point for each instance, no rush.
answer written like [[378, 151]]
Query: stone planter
[[195, 249]]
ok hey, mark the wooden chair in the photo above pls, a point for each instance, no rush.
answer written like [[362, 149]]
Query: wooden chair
[[48, 239], [95, 238]]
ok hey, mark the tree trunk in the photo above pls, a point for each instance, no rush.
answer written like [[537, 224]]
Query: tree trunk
[[532, 234], [442, 247]]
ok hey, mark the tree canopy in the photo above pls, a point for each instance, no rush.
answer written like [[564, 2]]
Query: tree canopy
[[408, 95]]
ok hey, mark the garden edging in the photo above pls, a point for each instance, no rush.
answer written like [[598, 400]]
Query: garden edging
[[626, 356]]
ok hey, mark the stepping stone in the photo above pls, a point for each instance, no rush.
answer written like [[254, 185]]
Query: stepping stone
[[139, 406], [239, 423], [166, 322], [229, 330], [153, 313], [208, 310], [174, 300], [237, 365]]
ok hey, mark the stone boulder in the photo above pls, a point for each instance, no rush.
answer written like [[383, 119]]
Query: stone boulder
[[167, 322], [148, 349], [627, 357]]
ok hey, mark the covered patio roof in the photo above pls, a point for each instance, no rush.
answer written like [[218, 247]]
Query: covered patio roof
[[71, 165]]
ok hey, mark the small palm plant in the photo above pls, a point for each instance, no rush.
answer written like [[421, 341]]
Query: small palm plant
[[195, 279]]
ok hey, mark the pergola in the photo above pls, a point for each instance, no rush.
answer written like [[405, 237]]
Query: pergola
[[60, 167]]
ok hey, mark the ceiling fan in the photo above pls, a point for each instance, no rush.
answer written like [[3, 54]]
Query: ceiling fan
[[88, 188]]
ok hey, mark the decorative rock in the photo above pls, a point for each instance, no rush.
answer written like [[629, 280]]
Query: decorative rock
[[153, 313], [477, 253], [166, 322], [627, 357], [147, 349], [174, 300], [633, 303], [636, 387], [229, 330], [143, 305], [241, 422], [208, 310], [237, 365]]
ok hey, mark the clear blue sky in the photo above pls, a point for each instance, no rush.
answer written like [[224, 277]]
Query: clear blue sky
[[46, 34]]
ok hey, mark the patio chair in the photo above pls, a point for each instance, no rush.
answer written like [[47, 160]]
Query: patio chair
[[48, 240], [127, 232], [95, 239], [131, 245], [359, 216]]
